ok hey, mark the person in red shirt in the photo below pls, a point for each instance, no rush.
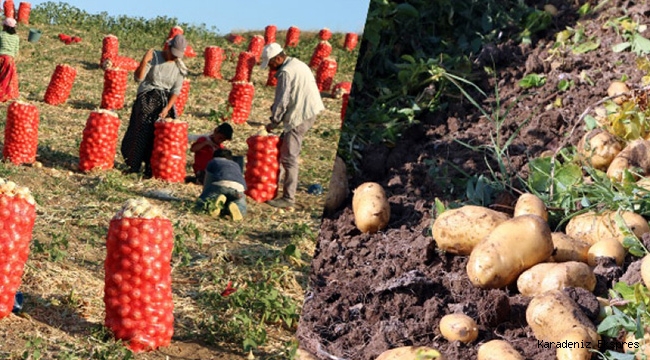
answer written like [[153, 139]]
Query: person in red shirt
[[204, 147]]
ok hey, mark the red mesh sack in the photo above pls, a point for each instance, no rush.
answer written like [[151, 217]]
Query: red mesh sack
[[245, 66], [121, 62], [236, 39], [269, 34], [344, 106], [351, 40], [17, 216], [99, 142], [325, 34], [110, 49], [272, 80], [169, 150], [213, 61], [9, 9], [241, 100], [60, 85], [182, 98], [339, 89], [321, 51], [255, 46], [262, 167], [137, 277], [115, 83], [24, 9], [293, 37], [325, 74], [21, 133]]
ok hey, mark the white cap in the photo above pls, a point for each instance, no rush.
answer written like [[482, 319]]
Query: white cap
[[270, 51]]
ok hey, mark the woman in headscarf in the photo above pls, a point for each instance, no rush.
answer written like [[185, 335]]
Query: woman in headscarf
[[9, 45], [160, 74]]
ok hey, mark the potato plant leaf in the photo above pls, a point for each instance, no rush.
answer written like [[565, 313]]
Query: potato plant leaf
[[585, 47], [621, 47], [640, 45], [532, 80]]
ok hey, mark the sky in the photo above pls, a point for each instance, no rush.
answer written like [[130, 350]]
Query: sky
[[237, 15]]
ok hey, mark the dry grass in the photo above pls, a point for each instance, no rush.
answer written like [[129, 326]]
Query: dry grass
[[63, 280]]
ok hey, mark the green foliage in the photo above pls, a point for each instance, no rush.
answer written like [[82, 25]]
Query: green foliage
[[630, 31], [532, 80], [627, 312], [56, 249], [183, 234], [399, 78], [244, 315]]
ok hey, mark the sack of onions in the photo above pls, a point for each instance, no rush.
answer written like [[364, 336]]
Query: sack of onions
[[137, 277], [21, 133], [351, 40], [213, 61], [325, 34], [99, 142], [241, 101], [115, 84], [321, 51], [325, 74], [293, 37], [269, 34], [60, 84], [245, 66], [182, 98], [262, 167], [255, 46], [169, 150]]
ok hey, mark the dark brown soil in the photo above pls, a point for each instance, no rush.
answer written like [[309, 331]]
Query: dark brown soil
[[370, 293]]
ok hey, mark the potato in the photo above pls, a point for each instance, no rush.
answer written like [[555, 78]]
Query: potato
[[339, 188], [556, 276], [370, 207], [498, 350], [457, 231], [634, 157], [637, 346], [645, 270], [566, 248], [411, 353], [512, 247], [606, 248], [592, 227], [530, 204], [553, 314], [458, 327], [617, 88], [598, 148], [551, 9], [578, 348]]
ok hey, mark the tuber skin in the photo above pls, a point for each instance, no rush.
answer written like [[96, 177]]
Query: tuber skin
[[370, 207], [458, 327]]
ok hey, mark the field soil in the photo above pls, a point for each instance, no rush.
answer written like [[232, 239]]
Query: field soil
[[372, 292]]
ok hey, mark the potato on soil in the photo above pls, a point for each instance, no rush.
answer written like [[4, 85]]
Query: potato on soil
[[617, 88], [512, 247], [457, 231], [458, 327], [643, 345], [566, 248], [556, 276], [530, 204], [411, 353], [634, 157], [371, 208], [553, 314], [598, 148], [645, 270], [606, 248], [498, 350], [339, 188], [592, 227], [579, 349]]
